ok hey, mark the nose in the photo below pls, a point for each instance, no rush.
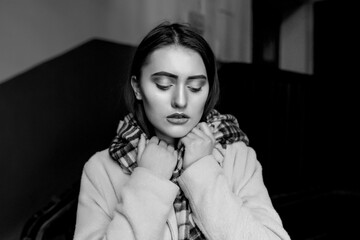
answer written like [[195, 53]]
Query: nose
[[179, 99]]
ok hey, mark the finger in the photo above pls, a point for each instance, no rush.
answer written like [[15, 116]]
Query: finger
[[212, 127], [170, 148], [191, 135], [141, 147], [199, 133], [206, 129], [185, 140], [162, 144], [154, 140], [175, 153], [217, 134]]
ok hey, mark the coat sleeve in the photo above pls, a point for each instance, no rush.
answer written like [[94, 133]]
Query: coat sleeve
[[231, 202], [111, 207]]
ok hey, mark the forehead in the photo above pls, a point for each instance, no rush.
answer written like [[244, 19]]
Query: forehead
[[177, 59]]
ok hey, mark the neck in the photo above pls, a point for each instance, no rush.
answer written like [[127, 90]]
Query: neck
[[167, 139]]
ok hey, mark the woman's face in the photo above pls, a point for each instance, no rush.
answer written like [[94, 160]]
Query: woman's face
[[173, 88]]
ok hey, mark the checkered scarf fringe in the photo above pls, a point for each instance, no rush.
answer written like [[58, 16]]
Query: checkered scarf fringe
[[123, 150]]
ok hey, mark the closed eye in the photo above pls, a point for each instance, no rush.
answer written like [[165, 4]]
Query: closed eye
[[163, 87], [194, 89]]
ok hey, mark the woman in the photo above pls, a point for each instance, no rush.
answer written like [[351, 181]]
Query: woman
[[177, 168]]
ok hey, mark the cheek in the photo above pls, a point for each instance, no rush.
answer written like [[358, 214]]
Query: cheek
[[199, 104], [204, 97], [153, 100]]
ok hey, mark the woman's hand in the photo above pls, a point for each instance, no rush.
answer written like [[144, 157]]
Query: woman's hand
[[199, 142], [157, 156]]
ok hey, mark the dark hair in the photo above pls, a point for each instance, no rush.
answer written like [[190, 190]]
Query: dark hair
[[163, 35]]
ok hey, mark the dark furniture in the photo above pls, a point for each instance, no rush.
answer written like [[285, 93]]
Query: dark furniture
[[301, 129], [52, 119]]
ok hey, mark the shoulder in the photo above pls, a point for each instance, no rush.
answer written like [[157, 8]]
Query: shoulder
[[101, 182], [99, 160], [240, 161], [239, 151], [101, 167]]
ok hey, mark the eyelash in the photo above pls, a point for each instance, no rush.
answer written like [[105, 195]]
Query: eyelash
[[195, 89], [164, 88], [161, 87]]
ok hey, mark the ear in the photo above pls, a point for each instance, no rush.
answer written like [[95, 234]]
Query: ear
[[136, 87]]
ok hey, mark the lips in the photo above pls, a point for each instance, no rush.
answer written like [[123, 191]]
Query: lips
[[178, 118]]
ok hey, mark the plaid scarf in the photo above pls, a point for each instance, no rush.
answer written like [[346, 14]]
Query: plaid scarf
[[123, 150]]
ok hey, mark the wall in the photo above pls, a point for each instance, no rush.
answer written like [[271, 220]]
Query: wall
[[296, 40], [32, 31]]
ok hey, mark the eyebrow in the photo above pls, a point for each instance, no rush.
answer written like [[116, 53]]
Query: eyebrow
[[170, 75], [197, 77], [166, 74]]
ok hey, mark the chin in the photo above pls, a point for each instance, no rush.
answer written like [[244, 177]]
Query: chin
[[178, 133]]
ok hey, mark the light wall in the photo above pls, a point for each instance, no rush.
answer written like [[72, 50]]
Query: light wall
[[296, 40], [33, 31]]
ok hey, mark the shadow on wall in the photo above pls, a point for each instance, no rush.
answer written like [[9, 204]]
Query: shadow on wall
[[53, 118]]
